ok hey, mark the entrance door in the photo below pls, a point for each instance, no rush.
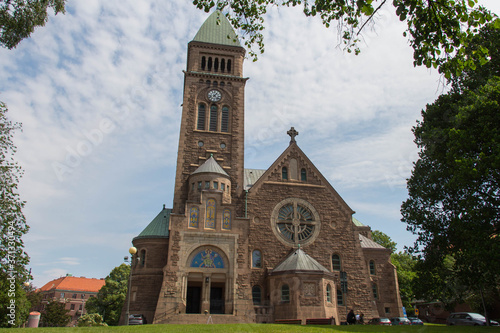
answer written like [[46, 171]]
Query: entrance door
[[193, 299], [217, 300]]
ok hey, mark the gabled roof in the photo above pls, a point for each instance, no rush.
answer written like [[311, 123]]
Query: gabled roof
[[72, 283], [357, 223], [158, 228], [293, 147], [217, 30], [299, 261], [367, 243], [210, 166]]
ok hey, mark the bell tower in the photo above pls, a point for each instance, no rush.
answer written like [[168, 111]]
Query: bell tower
[[212, 123]]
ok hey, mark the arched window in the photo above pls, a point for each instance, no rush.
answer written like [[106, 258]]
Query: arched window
[[256, 259], [375, 290], [372, 267], [303, 175], [201, 117], [143, 258], [224, 125], [213, 118], [340, 297], [284, 173], [209, 63], [257, 295], [203, 63], [216, 64], [336, 266], [285, 293], [222, 65], [328, 293], [229, 65], [210, 214]]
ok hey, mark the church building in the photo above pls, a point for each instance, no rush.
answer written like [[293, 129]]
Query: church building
[[246, 245]]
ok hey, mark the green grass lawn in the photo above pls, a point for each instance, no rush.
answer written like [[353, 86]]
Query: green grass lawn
[[260, 328]]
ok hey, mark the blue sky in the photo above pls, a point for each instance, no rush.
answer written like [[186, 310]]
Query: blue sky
[[99, 89]]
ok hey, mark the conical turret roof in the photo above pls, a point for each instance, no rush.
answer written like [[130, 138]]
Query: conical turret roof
[[217, 30], [158, 228], [299, 261], [210, 166]]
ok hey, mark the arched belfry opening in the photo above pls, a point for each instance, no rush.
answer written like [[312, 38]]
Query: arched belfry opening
[[207, 287]]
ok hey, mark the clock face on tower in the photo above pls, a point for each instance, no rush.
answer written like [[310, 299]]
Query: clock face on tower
[[214, 95]]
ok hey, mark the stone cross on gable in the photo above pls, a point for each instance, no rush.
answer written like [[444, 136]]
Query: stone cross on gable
[[293, 133]]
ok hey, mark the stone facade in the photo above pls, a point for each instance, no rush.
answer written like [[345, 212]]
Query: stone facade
[[250, 245]]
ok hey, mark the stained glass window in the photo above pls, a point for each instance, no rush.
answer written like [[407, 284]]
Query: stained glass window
[[210, 217], [226, 219], [207, 258], [193, 217]]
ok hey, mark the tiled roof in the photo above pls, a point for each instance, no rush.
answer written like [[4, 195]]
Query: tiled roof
[[72, 283], [251, 177], [299, 261], [158, 228], [217, 30], [211, 166], [367, 243]]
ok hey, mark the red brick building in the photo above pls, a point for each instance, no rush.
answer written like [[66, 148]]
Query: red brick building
[[73, 291], [248, 245]]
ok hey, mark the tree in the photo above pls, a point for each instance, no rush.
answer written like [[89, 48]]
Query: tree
[[19, 18], [91, 319], [437, 29], [110, 298], [383, 239], [15, 304], [55, 314], [454, 190]]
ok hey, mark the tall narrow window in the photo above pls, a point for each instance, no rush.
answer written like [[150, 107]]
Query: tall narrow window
[[213, 118], [224, 126], [203, 63], [193, 217], [375, 290], [284, 173], [328, 293], [340, 297], [303, 175], [209, 63], [216, 64], [285, 293], [256, 259], [256, 295], [336, 262], [226, 219], [201, 117], [143, 258], [229, 65], [210, 217], [222, 65], [372, 267]]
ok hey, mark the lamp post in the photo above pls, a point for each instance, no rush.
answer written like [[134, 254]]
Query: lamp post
[[132, 251]]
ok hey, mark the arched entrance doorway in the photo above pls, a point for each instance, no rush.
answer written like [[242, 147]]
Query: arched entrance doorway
[[207, 286]]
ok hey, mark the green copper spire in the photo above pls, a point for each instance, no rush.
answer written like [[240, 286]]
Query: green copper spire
[[217, 30]]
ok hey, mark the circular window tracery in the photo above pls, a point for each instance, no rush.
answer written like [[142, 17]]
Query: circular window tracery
[[295, 221]]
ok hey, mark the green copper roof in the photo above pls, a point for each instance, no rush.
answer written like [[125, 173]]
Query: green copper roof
[[357, 223], [251, 177], [211, 166], [158, 228], [299, 261], [217, 30]]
